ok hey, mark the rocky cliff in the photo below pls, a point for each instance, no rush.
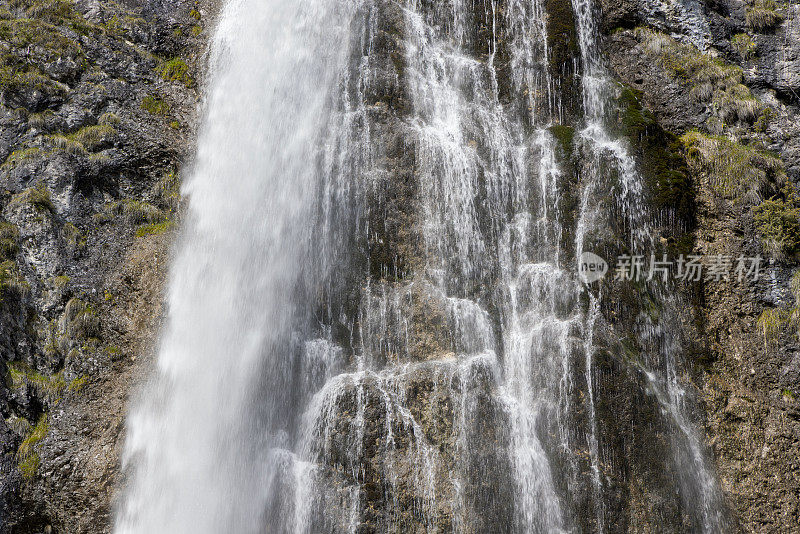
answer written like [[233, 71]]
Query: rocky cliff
[[99, 102]]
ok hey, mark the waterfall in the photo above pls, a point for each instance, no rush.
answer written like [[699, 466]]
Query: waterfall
[[375, 320], [196, 440]]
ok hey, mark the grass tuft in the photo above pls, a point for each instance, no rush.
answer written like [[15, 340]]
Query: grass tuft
[[27, 455], [20, 156], [108, 118], [762, 15], [80, 320], [134, 211], [777, 222], [736, 172], [9, 241], [176, 70], [37, 196], [93, 137], [744, 45]]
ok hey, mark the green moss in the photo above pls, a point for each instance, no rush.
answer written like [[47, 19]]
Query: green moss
[[565, 135], [736, 172], [29, 466], [60, 282], [709, 79], [156, 106], [661, 159], [195, 14], [562, 54], [744, 45], [176, 70], [154, 228], [27, 455], [196, 30], [78, 384], [37, 196], [562, 39], [113, 352]]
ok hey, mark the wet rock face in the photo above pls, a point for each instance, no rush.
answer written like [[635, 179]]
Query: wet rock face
[[453, 310], [97, 108], [406, 464], [744, 369]]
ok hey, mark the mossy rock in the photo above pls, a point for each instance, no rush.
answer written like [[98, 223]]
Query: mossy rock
[[661, 158], [565, 135]]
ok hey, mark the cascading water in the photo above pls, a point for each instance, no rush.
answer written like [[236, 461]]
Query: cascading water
[[375, 319], [198, 443]]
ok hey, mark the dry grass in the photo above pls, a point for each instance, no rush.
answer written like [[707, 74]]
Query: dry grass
[[762, 15], [736, 172]]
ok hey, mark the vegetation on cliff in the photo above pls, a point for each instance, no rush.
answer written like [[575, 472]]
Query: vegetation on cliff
[[85, 170], [709, 79]]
